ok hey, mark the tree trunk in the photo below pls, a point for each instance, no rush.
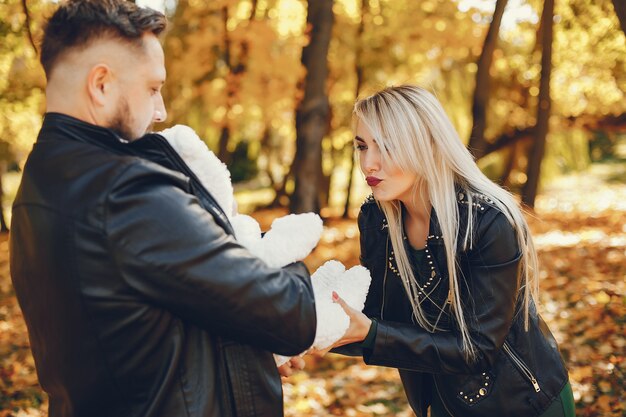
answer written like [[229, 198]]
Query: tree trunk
[[519, 134], [508, 166], [620, 10], [312, 112], [280, 191], [222, 152], [358, 69], [477, 143], [529, 191], [29, 31], [233, 78], [4, 227]]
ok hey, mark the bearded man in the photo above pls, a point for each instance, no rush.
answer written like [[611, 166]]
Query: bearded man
[[138, 299]]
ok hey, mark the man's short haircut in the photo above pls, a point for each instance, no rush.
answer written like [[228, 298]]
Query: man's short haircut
[[77, 23]]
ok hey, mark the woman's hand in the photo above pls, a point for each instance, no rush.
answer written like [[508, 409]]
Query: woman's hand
[[359, 324]]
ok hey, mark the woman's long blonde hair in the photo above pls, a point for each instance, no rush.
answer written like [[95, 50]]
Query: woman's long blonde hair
[[414, 133]]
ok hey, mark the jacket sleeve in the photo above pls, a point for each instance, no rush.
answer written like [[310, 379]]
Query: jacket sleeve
[[171, 251], [367, 224], [491, 285]]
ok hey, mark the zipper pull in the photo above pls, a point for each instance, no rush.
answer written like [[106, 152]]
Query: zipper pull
[[535, 384]]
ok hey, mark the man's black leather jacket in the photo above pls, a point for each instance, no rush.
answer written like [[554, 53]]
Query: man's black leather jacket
[[517, 373], [137, 297]]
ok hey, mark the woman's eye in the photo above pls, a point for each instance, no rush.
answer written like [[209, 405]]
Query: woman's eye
[[359, 147]]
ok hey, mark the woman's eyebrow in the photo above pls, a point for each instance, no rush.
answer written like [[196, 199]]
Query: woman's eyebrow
[[358, 138]]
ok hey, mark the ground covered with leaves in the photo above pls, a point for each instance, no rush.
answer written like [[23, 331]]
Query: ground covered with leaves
[[580, 232]]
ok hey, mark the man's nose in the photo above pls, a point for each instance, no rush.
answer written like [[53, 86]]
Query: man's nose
[[160, 114]]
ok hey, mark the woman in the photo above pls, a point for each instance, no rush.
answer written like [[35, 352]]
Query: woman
[[454, 272]]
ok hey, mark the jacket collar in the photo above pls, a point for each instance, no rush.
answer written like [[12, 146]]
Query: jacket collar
[[69, 127], [152, 147]]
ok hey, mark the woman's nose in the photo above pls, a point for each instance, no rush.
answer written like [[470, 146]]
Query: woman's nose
[[371, 162]]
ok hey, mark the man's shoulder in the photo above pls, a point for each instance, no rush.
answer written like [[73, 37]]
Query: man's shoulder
[[139, 172], [72, 176]]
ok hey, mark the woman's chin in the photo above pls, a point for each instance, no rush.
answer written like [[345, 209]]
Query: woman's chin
[[380, 195]]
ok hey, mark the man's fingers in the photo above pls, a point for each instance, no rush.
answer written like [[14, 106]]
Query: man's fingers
[[285, 369], [297, 362]]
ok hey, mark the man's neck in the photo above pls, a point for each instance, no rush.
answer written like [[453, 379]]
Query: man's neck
[[69, 112], [59, 100]]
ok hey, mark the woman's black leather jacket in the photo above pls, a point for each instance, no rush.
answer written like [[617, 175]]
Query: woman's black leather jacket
[[516, 373]]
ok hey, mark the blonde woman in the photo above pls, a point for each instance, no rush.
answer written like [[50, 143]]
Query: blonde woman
[[454, 272]]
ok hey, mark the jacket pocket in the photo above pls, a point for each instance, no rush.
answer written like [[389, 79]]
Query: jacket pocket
[[521, 366], [476, 388]]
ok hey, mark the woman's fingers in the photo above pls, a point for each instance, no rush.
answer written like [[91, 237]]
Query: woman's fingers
[[337, 299], [359, 323], [320, 353]]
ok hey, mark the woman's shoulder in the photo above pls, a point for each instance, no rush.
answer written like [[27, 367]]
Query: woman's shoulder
[[493, 228], [371, 215], [486, 214], [479, 203]]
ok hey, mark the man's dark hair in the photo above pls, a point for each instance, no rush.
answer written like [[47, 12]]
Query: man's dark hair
[[77, 23]]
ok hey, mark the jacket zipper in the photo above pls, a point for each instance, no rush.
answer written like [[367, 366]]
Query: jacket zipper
[[522, 366], [382, 308]]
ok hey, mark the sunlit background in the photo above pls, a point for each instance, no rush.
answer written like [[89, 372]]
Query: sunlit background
[[235, 75]]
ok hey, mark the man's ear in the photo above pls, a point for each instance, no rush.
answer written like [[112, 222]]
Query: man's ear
[[100, 84]]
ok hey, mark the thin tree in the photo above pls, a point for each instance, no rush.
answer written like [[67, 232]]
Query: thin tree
[[29, 32], [529, 191], [478, 143], [233, 77], [313, 110], [4, 227], [358, 69], [512, 142]]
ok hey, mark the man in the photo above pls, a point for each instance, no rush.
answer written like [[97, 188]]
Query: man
[[137, 298]]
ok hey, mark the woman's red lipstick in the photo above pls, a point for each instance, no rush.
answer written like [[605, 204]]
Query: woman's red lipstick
[[372, 181]]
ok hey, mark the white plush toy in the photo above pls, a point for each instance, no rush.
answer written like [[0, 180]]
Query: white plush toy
[[351, 285], [279, 246]]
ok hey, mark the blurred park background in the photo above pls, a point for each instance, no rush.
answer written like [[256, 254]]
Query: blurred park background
[[535, 88]]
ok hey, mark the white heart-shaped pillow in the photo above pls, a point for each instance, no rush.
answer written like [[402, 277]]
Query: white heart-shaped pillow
[[351, 285], [332, 321]]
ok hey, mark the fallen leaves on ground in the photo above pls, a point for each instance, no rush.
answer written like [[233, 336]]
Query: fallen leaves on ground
[[581, 239]]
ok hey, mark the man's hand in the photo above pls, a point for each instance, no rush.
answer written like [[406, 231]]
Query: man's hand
[[288, 368]]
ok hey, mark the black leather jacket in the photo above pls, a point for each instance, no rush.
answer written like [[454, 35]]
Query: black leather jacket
[[137, 297], [517, 373]]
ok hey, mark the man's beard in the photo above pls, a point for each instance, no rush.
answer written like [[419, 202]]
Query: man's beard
[[122, 123]]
